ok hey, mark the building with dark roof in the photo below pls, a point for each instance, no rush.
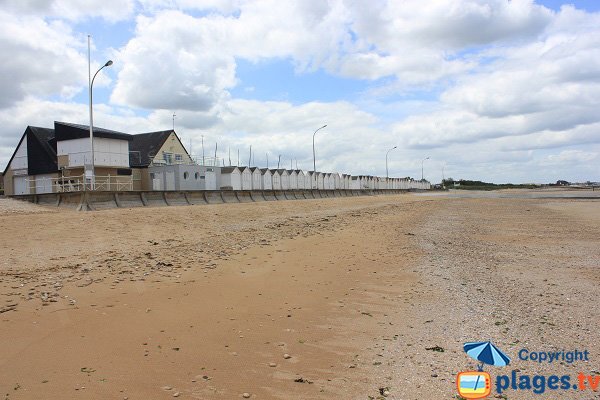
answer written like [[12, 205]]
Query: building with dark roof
[[49, 160]]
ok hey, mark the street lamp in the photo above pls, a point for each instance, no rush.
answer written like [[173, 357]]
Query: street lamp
[[422, 162], [107, 64], [314, 159], [387, 175]]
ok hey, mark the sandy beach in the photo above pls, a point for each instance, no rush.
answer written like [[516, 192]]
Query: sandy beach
[[350, 298]]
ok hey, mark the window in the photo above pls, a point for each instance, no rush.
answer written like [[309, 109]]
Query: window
[[178, 157], [168, 157], [123, 171], [152, 175], [185, 175], [196, 176]]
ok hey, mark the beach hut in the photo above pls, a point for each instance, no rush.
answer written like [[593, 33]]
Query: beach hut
[[246, 176], [276, 179], [293, 178], [267, 179], [301, 179], [284, 179], [256, 178], [337, 181], [320, 180], [231, 178], [347, 181], [309, 180]]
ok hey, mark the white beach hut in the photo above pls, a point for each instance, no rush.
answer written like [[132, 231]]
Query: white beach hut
[[276, 179], [256, 178], [267, 179], [320, 180], [293, 179], [246, 178], [301, 179], [231, 178], [284, 179], [337, 181], [309, 180]]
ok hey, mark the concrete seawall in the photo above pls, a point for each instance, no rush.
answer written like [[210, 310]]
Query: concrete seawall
[[92, 201]]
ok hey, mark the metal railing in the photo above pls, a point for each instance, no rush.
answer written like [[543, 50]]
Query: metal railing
[[78, 183]]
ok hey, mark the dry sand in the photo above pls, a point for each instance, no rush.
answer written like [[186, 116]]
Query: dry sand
[[204, 302]]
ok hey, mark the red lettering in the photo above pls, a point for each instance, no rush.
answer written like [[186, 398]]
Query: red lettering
[[593, 381], [581, 378]]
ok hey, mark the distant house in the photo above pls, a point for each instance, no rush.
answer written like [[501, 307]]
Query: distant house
[[160, 162]]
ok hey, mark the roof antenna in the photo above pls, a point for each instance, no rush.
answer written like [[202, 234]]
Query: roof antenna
[[174, 121]]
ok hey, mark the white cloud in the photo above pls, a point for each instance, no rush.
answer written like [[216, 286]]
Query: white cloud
[[113, 10], [173, 64], [42, 59]]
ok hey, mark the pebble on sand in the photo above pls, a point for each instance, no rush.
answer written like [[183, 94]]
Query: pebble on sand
[[246, 395], [272, 364], [287, 356]]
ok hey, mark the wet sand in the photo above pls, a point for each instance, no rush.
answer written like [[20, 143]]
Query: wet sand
[[204, 302]]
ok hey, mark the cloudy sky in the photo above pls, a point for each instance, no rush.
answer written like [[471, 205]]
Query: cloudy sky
[[496, 90]]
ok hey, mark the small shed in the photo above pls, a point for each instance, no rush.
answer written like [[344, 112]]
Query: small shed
[[301, 179], [284, 179], [320, 180], [246, 178], [309, 180], [267, 179], [337, 181], [276, 179], [231, 178], [293, 178], [256, 178]]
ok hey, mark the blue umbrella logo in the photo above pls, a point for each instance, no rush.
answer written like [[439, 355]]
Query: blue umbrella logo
[[486, 353]]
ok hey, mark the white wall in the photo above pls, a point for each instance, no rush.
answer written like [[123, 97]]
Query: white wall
[[20, 159], [107, 152]]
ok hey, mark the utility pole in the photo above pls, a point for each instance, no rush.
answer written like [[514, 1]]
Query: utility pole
[[203, 150]]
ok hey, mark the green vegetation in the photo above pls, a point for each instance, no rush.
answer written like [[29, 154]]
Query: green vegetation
[[479, 185]]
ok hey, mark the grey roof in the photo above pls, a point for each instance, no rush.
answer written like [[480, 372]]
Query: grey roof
[[144, 146], [68, 131], [228, 170]]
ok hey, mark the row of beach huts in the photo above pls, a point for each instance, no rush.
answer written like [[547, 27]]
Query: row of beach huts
[[191, 177], [58, 160]]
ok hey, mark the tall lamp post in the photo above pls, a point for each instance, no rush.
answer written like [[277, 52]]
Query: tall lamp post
[[314, 158], [107, 64], [422, 162], [387, 175]]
